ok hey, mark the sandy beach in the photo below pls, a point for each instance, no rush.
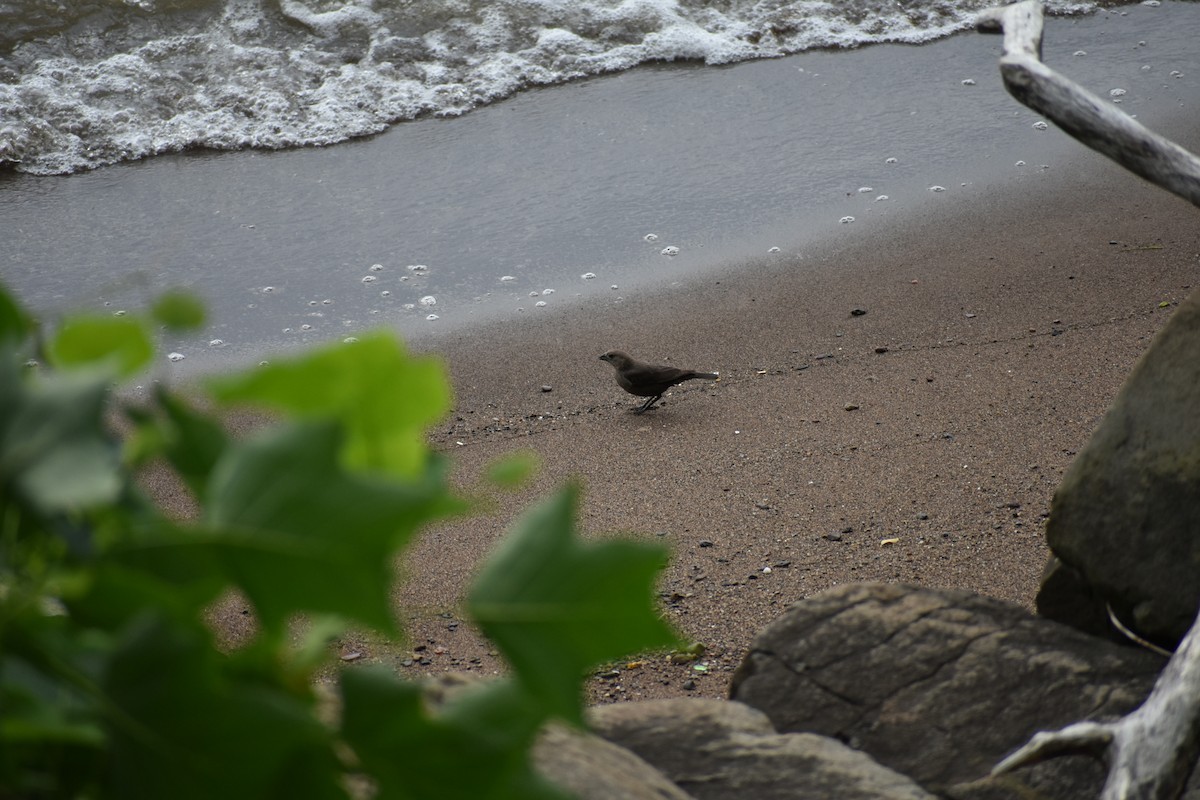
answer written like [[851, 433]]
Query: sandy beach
[[920, 442]]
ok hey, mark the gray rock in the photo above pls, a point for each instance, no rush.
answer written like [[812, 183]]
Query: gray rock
[[1127, 515], [591, 768], [717, 749], [939, 685], [1067, 597], [584, 764]]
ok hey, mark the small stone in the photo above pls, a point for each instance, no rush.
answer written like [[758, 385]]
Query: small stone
[[858, 312], [881, 350], [705, 543], [689, 685], [547, 387], [833, 537], [763, 505], [851, 406]]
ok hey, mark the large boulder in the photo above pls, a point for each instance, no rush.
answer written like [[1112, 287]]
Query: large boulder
[[1126, 518], [940, 685], [591, 768], [715, 749]]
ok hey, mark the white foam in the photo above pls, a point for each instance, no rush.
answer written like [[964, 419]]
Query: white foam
[[232, 74]]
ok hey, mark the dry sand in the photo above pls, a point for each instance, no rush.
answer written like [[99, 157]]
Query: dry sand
[[920, 442]]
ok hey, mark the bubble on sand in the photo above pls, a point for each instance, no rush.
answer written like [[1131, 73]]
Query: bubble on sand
[[429, 300], [533, 294], [507, 278], [540, 304], [651, 237], [1176, 73], [119, 313], [306, 327], [216, 343], [350, 340], [312, 302], [418, 268], [587, 276], [1020, 163], [865, 189], [613, 287], [385, 293], [670, 250], [773, 250], [1079, 53], [882, 197], [369, 279], [547, 291], [267, 289], [176, 357], [891, 160], [326, 301], [377, 268], [937, 188], [431, 317], [968, 82], [409, 306], [1117, 93], [1041, 125]]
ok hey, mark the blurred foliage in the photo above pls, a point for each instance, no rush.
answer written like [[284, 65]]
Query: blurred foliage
[[111, 685]]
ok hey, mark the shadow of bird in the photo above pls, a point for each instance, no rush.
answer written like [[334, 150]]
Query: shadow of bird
[[648, 380]]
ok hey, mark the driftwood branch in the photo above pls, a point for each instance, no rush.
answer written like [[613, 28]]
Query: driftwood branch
[[1151, 751], [1085, 116]]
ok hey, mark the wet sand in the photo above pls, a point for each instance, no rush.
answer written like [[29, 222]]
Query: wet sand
[[919, 442]]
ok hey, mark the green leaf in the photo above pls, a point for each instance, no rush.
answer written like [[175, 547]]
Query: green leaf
[[194, 441], [556, 605], [53, 444], [179, 311], [299, 532], [475, 747], [383, 397], [49, 734], [123, 342], [189, 722], [513, 470], [15, 324]]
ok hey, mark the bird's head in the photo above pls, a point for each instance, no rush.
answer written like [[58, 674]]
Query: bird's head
[[616, 358]]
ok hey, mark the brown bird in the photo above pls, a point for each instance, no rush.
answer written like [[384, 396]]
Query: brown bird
[[647, 380]]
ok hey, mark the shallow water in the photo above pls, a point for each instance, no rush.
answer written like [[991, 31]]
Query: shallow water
[[723, 163]]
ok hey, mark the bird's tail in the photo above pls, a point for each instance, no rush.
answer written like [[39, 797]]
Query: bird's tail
[[708, 376]]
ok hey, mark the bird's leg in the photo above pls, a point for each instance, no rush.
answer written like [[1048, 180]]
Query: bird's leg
[[646, 405]]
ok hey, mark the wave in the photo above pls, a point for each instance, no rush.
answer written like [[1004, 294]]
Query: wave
[[84, 84]]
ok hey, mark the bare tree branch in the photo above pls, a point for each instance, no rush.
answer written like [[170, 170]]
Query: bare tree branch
[[1085, 116]]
